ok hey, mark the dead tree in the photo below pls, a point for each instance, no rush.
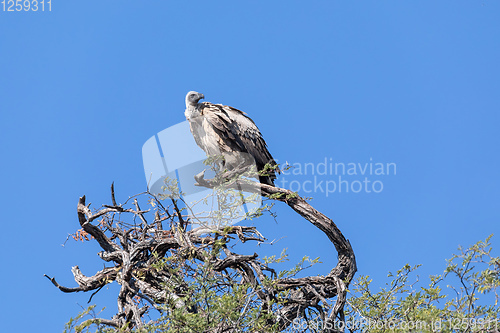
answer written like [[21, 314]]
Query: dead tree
[[135, 248]]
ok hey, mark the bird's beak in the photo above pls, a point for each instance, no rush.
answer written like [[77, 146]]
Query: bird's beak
[[202, 96]]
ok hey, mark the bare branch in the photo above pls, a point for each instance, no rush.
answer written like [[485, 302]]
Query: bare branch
[[155, 266]]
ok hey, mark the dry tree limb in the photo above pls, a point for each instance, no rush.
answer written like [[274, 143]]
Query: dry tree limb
[[339, 278], [138, 251], [99, 280]]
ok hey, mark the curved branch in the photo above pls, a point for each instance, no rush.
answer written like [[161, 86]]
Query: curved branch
[[143, 274], [339, 278]]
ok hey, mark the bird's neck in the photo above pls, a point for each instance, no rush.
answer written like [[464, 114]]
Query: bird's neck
[[192, 111]]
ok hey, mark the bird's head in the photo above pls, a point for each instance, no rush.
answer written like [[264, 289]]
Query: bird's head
[[193, 97]]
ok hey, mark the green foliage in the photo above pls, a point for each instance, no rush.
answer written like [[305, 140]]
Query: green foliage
[[70, 325], [268, 169], [192, 295], [212, 300], [304, 263], [87, 326], [449, 303], [170, 189]]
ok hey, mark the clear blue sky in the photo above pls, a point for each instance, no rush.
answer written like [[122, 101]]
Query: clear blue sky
[[411, 83]]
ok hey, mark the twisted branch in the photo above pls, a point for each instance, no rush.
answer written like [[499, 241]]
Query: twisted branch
[[136, 250]]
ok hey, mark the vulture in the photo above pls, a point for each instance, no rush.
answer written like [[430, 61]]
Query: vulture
[[221, 130]]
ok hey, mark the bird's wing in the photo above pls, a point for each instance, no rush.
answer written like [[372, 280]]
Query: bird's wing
[[221, 123], [238, 131]]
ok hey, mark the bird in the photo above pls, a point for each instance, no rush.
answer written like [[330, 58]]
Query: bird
[[223, 130]]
